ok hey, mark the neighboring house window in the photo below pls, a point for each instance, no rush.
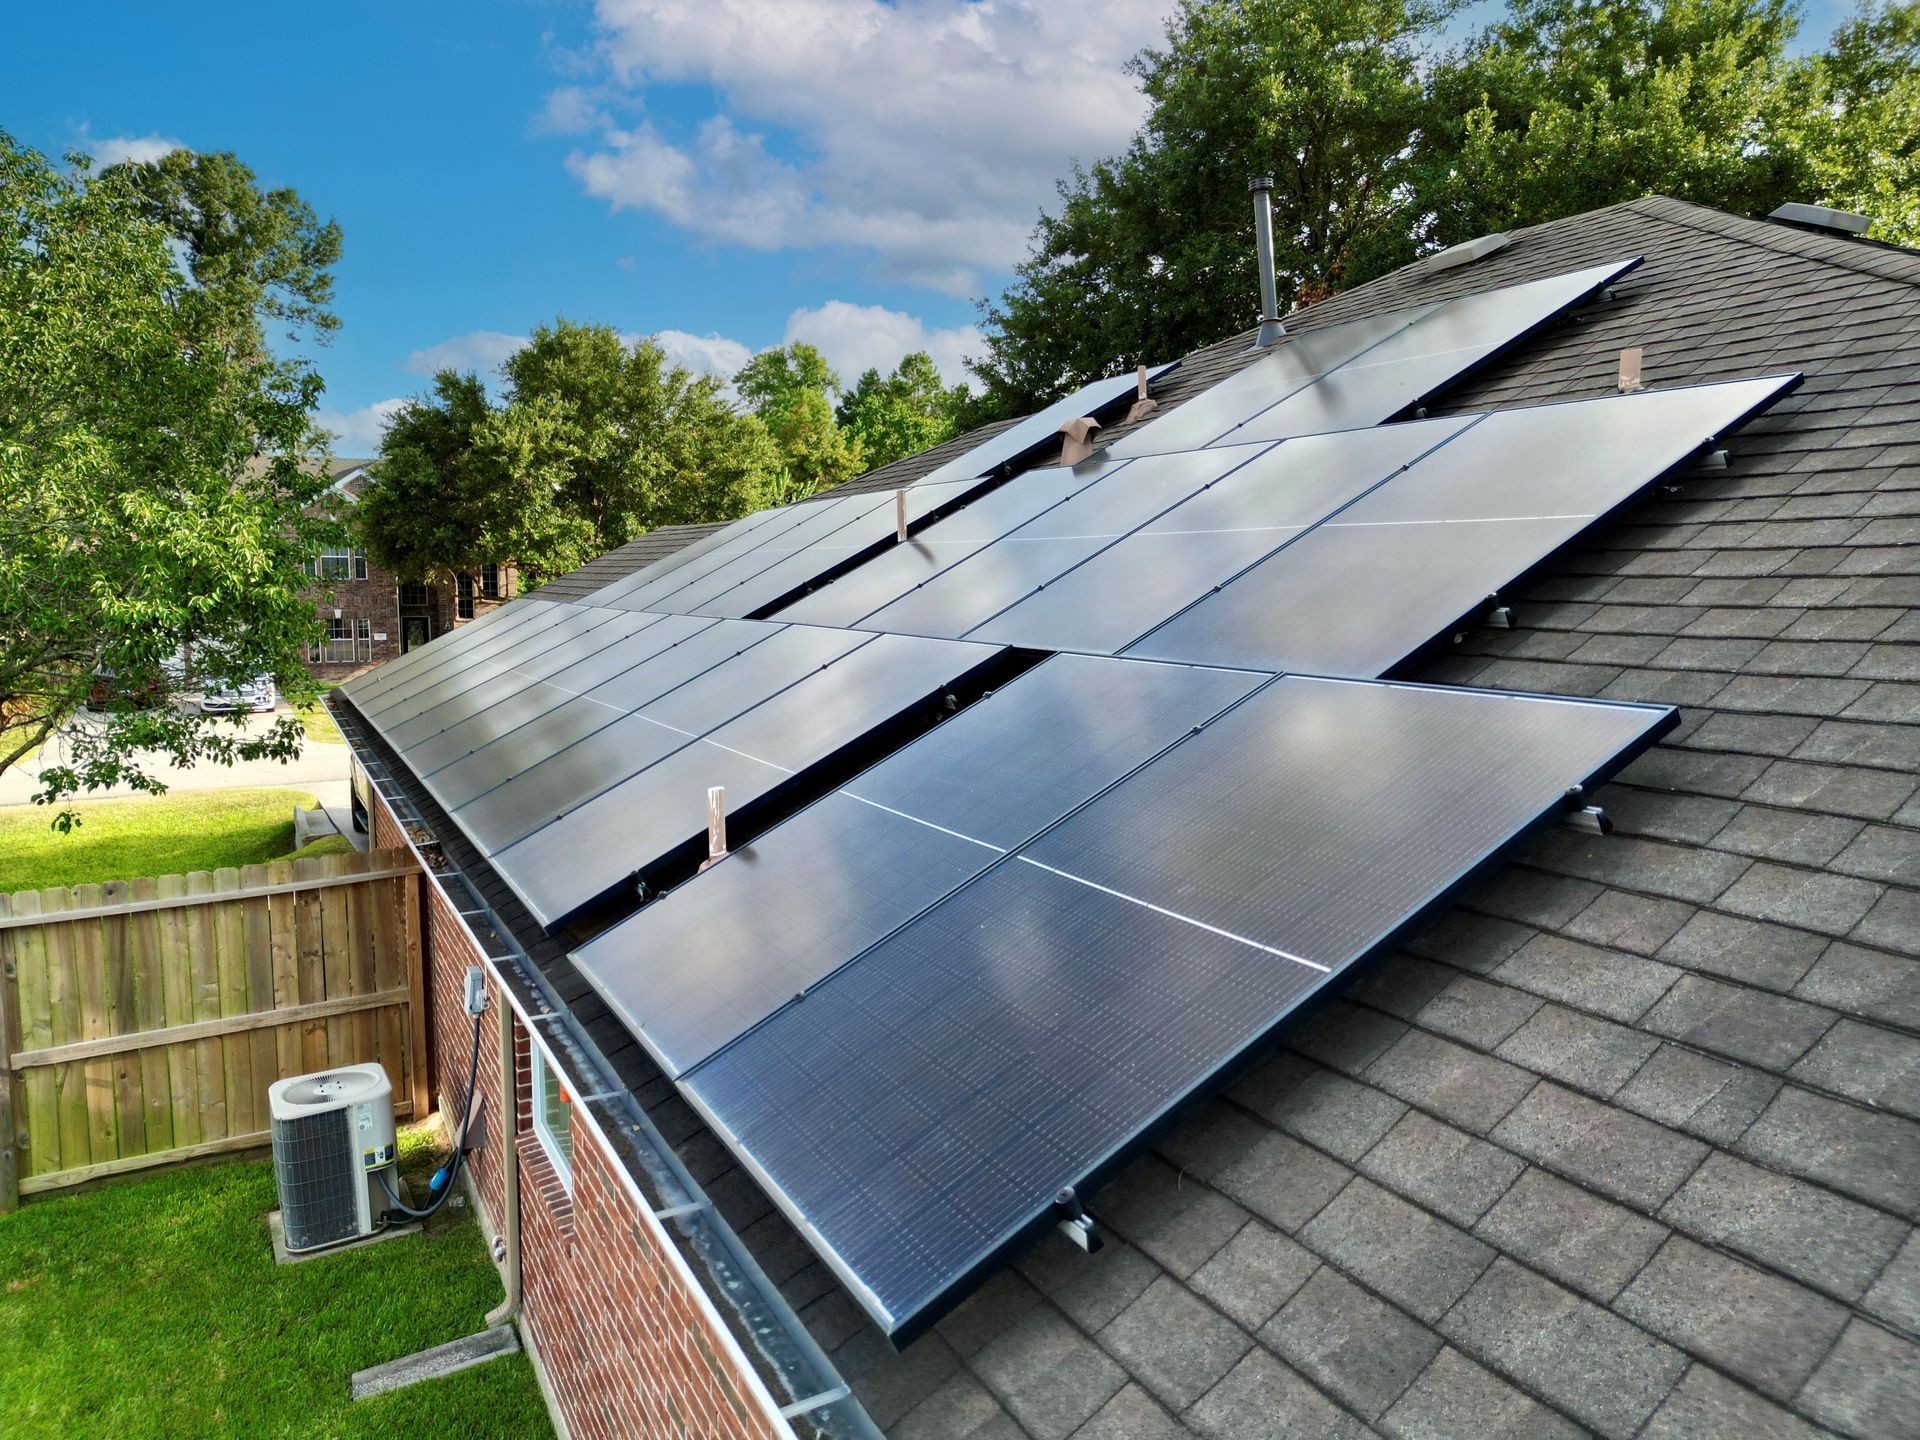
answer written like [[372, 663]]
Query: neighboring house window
[[490, 582], [413, 595], [340, 565], [348, 642], [463, 595], [552, 1117]]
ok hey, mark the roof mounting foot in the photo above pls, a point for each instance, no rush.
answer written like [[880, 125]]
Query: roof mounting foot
[[1714, 460], [1500, 617], [1074, 1221], [1591, 818]]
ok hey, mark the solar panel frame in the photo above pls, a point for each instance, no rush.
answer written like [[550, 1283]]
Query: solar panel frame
[[1042, 428], [1640, 726], [731, 534]]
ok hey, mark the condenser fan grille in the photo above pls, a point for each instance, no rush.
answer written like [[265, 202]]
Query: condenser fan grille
[[314, 1164]]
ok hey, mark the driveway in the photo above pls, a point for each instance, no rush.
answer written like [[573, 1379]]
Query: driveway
[[320, 768]]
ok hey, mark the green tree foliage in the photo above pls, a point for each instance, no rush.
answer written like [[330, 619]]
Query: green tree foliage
[[903, 413], [1861, 121], [153, 502], [1384, 143], [791, 390], [1149, 253], [1564, 106], [597, 441]]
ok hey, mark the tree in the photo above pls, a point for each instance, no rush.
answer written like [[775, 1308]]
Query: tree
[[791, 390], [1565, 106], [155, 506], [598, 441], [1861, 119], [900, 414], [1150, 253]]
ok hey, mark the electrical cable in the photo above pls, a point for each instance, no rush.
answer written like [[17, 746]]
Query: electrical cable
[[452, 1168]]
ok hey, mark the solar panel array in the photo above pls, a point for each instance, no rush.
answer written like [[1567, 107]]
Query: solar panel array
[[983, 969], [932, 992], [1040, 430]]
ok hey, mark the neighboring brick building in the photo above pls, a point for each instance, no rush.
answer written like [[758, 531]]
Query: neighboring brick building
[[1627, 1142], [370, 616]]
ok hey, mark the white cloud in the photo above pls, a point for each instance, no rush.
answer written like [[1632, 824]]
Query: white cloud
[[480, 350], [141, 149], [704, 354], [570, 110], [928, 133], [358, 432], [855, 338]]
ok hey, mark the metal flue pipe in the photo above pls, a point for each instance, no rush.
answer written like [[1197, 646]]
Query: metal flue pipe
[[1271, 327]]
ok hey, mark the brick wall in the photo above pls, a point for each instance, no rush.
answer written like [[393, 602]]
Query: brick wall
[[376, 600], [624, 1343]]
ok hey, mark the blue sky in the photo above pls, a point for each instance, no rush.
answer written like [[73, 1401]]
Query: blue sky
[[727, 173]]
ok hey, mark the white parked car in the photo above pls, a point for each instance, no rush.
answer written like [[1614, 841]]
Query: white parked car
[[257, 694]]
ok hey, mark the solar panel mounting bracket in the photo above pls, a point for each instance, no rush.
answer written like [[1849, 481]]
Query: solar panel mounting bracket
[[1591, 818], [1074, 1222], [1713, 460]]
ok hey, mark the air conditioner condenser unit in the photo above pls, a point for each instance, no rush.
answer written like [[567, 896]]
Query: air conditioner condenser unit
[[332, 1137]]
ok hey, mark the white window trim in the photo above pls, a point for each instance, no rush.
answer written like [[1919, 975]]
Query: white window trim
[[556, 1154]]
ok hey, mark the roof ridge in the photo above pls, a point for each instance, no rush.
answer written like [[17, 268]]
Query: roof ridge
[[1885, 262]]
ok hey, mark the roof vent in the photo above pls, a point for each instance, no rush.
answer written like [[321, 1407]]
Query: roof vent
[[1819, 217], [1454, 256]]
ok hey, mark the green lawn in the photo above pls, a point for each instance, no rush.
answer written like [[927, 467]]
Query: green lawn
[[318, 722], [146, 835], [152, 1308]]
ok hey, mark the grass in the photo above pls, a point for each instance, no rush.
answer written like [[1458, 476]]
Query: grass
[[317, 722], [146, 835], [151, 1307], [326, 845]]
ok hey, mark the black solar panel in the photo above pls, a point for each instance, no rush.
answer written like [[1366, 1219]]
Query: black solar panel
[[770, 534], [918, 1110], [1123, 496], [1412, 560], [596, 845], [477, 663], [1041, 429], [616, 592], [364, 687], [1158, 570], [715, 956]]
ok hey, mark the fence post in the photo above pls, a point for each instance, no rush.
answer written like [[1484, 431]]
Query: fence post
[[13, 1114], [413, 921]]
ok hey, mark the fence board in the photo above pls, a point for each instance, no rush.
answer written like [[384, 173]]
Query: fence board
[[142, 1022]]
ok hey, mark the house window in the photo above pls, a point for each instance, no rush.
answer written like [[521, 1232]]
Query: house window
[[552, 1116], [339, 565], [348, 642], [463, 595], [490, 582], [413, 595]]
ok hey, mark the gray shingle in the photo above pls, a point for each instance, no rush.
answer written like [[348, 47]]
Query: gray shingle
[[1090, 1288], [1263, 1400], [1869, 1386], [961, 1409], [1254, 1274], [1411, 1257], [1340, 1116], [1811, 899], [1468, 1088], [1480, 1014], [1579, 1050], [1614, 1152], [1866, 1062], [1773, 957], [1596, 1366], [1833, 1244], [1708, 1406], [1174, 1344], [1275, 1177], [1581, 1240], [1865, 982], [1629, 922], [1048, 1375], [1875, 1157], [1131, 1414], [1771, 1031], [1352, 1345], [1455, 1397], [1893, 923], [1618, 986], [1174, 1220], [1896, 1294], [1449, 1171]]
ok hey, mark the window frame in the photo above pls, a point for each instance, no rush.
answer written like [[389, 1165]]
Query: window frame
[[344, 564], [559, 1151]]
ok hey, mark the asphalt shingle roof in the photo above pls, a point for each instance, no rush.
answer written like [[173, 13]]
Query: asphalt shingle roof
[[1629, 1142]]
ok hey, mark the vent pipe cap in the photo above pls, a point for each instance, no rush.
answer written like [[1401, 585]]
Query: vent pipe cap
[[1820, 217], [1454, 256]]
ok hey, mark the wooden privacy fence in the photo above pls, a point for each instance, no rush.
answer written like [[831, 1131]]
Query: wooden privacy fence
[[142, 1021]]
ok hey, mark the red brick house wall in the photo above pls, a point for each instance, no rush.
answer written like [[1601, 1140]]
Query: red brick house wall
[[623, 1336]]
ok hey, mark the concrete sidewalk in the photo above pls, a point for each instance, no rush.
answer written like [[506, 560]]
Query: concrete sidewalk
[[320, 768]]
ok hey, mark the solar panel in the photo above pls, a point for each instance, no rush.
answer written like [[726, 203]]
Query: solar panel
[[1416, 557], [871, 529], [704, 702], [594, 847], [1293, 363], [365, 689], [1412, 364], [504, 716], [451, 667], [728, 535], [917, 1112], [1365, 371], [1042, 428], [945, 542], [714, 957], [774, 526], [1123, 496], [1173, 560]]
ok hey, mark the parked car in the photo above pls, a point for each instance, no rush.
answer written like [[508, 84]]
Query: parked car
[[256, 694]]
